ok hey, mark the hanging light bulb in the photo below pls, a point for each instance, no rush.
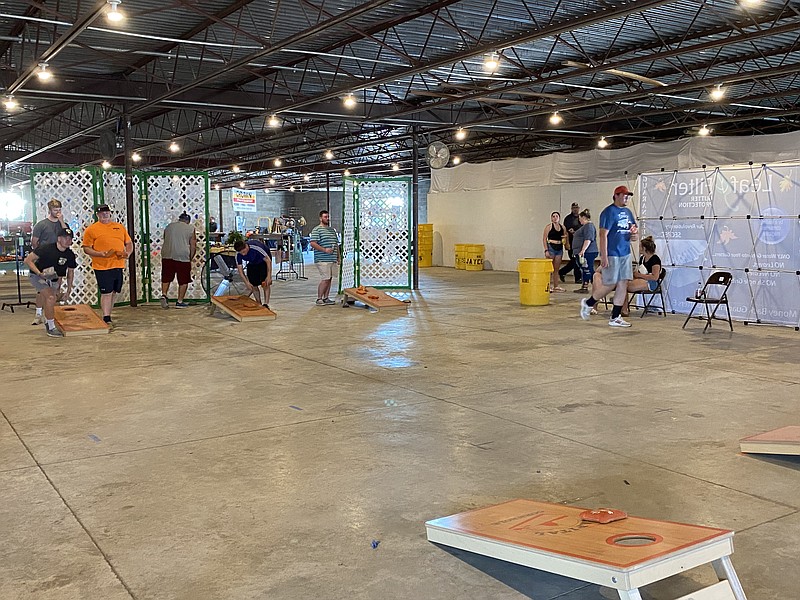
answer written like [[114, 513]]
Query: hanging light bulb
[[274, 121], [395, 167], [277, 162], [106, 165], [347, 172], [556, 119], [306, 177], [491, 62], [272, 181], [602, 143], [114, 14], [236, 168], [456, 160], [291, 188], [461, 134], [349, 101], [717, 94], [216, 186], [136, 157], [241, 184], [10, 103], [43, 74], [174, 147], [328, 155], [704, 131]]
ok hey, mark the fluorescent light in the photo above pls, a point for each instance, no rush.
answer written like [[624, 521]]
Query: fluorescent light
[[602, 143]]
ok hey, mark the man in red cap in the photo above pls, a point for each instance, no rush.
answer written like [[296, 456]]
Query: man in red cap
[[617, 231]]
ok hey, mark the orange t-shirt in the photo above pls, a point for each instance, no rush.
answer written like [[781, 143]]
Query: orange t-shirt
[[111, 236]]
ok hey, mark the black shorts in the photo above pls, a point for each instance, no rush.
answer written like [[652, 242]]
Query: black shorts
[[109, 280], [257, 273]]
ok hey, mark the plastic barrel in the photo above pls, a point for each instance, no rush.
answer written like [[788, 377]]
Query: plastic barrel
[[461, 256], [534, 281], [474, 257]]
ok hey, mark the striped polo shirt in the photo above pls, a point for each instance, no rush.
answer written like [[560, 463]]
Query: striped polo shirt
[[327, 238]]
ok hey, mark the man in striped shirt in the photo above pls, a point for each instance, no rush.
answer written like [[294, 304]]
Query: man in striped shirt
[[259, 267], [325, 243]]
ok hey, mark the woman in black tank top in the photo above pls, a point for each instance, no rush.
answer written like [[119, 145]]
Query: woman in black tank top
[[553, 239]]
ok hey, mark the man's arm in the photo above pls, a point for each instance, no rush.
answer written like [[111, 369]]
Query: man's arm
[[319, 248], [192, 246], [602, 243], [92, 252], [243, 276], [29, 262]]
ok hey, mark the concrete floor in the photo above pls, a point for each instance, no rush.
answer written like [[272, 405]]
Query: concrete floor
[[186, 456]]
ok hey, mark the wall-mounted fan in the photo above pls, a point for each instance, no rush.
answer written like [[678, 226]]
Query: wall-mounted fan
[[437, 155], [108, 144]]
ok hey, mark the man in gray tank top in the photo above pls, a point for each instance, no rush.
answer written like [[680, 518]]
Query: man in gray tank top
[[177, 252], [45, 233]]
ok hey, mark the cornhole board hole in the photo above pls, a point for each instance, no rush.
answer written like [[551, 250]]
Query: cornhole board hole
[[242, 308], [79, 319], [784, 440], [383, 301], [624, 555]]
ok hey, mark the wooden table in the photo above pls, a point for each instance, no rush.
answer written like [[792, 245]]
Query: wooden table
[[374, 298], [624, 555]]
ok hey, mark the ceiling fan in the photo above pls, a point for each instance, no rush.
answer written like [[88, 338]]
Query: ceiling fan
[[437, 155]]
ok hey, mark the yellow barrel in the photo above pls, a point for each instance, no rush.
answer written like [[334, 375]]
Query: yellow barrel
[[425, 227], [461, 256], [534, 281], [425, 258], [474, 257]]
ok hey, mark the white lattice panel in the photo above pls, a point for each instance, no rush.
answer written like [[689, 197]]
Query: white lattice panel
[[167, 197], [75, 190], [348, 268], [113, 194], [384, 232]]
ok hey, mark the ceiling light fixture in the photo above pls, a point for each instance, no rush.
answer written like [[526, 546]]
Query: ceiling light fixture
[[602, 143], [216, 186], [491, 62], [461, 134], [106, 165], [328, 155], [456, 160], [113, 14], [291, 188], [43, 74], [174, 147], [718, 93], [704, 131], [349, 101], [347, 172], [395, 167], [556, 119], [10, 103], [236, 168], [277, 162], [241, 184], [274, 121], [272, 181], [306, 177], [136, 157]]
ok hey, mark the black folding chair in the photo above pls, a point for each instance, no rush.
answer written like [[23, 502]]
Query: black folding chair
[[719, 283], [648, 296]]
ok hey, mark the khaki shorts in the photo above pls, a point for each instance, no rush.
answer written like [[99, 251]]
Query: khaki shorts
[[620, 268], [327, 270]]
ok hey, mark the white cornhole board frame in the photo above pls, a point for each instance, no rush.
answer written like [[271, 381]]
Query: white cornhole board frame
[[553, 538]]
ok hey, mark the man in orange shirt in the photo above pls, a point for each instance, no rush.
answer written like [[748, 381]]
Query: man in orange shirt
[[109, 245]]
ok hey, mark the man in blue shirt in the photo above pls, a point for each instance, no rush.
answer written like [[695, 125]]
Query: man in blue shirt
[[617, 231], [259, 267]]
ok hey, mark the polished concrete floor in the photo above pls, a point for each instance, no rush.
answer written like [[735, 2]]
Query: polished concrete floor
[[187, 456]]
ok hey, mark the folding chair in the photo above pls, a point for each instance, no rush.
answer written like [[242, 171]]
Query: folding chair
[[719, 280], [648, 296]]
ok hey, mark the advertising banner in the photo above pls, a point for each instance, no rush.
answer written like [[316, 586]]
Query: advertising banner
[[244, 201]]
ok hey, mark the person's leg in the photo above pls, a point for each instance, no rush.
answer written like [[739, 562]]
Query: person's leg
[[49, 302], [182, 291], [106, 303], [634, 285], [267, 289], [326, 288], [165, 289], [257, 294]]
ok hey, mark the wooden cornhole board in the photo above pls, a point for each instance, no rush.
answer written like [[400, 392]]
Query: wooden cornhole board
[[785, 440], [383, 301], [553, 538], [79, 319], [243, 308]]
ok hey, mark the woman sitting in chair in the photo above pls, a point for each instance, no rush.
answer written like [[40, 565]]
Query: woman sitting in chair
[[645, 278]]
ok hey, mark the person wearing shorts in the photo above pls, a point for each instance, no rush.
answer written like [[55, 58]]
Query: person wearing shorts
[[109, 246], [48, 264], [177, 252], [325, 243], [259, 268], [46, 232], [617, 230]]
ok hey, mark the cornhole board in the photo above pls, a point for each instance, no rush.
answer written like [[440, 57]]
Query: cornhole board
[[624, 555], [784, 440], [79, 319], [383, 301], [243, 308]]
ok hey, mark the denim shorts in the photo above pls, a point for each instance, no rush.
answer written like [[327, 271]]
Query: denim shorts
[[620, 268], [555, 250], [652, 285]]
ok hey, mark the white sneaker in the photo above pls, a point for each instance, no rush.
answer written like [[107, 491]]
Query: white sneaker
[[618, 322], [585, 310]]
